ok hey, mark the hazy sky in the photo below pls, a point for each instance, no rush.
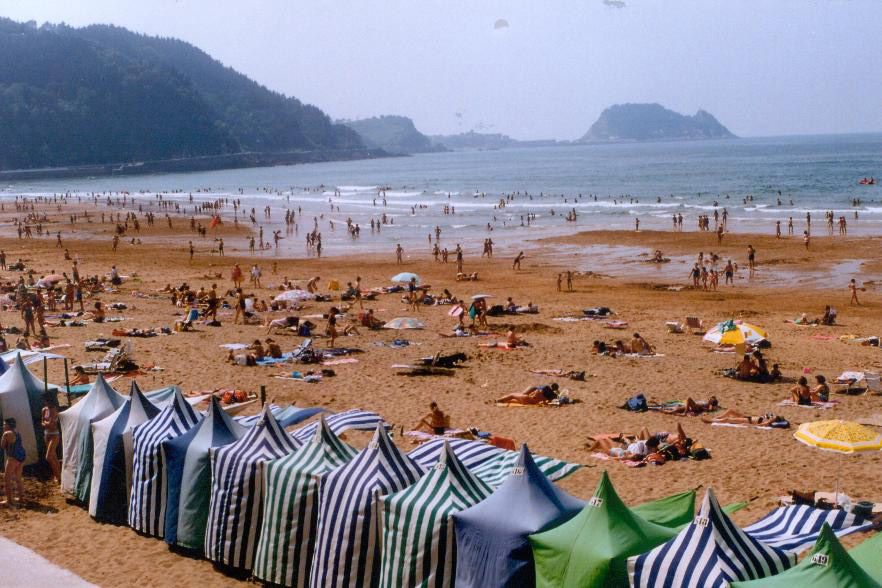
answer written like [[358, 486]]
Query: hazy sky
[[763, 67]]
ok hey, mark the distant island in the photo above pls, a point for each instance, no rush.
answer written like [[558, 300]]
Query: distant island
[[392, 133], [653, 122], [101, 95]]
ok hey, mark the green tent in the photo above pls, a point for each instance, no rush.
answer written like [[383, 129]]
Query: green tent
[[670, 511], [418, 546], [827, 565], [291, 497], [592, 548], [869, 556]]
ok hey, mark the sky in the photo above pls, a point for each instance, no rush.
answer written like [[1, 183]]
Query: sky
[[534, 69]]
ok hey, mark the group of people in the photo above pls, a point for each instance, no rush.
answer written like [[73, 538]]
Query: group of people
[[637, 345]]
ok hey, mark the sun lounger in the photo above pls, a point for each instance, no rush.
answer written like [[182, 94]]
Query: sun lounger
[[874, 384], [674, 327], [695, 326]]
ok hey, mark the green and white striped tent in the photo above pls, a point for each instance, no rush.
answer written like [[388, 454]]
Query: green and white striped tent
[[419, 548], [291, 507]]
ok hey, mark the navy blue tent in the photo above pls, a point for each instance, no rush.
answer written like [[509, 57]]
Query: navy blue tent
[[492, 542]]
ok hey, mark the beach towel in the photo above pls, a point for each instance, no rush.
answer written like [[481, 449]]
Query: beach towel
[[744, 426], [823, 337], [819, 405], [627, 462], [615, 325], [641, 355], [340, 361], [274, 360], [796, 528]]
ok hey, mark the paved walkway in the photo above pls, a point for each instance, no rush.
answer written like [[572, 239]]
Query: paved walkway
[[23, 568]]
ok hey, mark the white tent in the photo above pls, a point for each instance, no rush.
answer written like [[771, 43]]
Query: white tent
[[21, 398], [76, 433]]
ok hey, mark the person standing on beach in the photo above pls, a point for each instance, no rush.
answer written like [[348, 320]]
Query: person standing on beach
[[236, 276], [458, 259], [191, 250], [790, 226], [853, 287], [806, 239], [751, 257], [636, 224], [10, 443], [559, 282], [516, 264], [569, 281], [220, 247], [777, 229], [730, 273], [51, 434], [398, 253], [240, 306], [720, 230]]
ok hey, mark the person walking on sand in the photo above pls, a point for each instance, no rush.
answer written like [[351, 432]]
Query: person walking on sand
[[559, 282], [777, 229], [751, 258], [255, 275], [220, 247], [853, 288], [191, 250], [806, 239], [516, 264], [720, 231], [240, 306], [398, 253], [458, 259], [11, 445], [569, 281]]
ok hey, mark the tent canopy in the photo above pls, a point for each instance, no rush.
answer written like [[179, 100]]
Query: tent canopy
[[493, 548], [236, 506], [347, 546], [867, 555], [21, 398], [188, 475], [796, 528], [360, 420], [711, 551], [418, 547], [147, 505], [76, 431], [291, 491], [590, 550], [113, 453], [827, 565]]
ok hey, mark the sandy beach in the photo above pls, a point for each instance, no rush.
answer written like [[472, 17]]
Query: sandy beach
[[746, 464]]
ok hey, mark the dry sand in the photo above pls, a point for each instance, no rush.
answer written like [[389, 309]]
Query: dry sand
[[746, 463]]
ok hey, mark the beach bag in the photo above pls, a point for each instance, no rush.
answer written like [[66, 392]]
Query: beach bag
[[636, 403], [304, 330]]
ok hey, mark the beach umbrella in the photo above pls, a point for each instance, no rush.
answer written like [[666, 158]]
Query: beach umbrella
[[827, 565], [294, 296], [491, 464], [49, 280], [405, 278], [796, 528], [735, 332], [113, 455], [236, 508], [481, 296], [591, 549], [291, 506], [418, 546], [347, 550], [711, 551], [404, 323], [148, 501], [76, 431], [839, 436], [21, 398], [188, 475], [493, 547]]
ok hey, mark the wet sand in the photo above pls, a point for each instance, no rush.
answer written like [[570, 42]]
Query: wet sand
[[747, 464]]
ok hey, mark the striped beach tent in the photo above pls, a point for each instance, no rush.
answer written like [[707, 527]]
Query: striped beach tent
[[491, 464], [147, 504], [188, 475], [711, 552], [291, 506], [76, 431], [493, 548], [112, 456], [286, 417], [827, 565], [21, 398], [236, 506], [360, 420], [796, 528], [347, 551], [418, 544], [591, 549]]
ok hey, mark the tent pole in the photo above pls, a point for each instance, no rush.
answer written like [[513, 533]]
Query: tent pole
[[838, 471], [45, 375], [67, 381], [262, 395]]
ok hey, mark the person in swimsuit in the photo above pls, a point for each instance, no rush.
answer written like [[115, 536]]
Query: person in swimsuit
[[734, 417], [240, 306], [822, 390], [435, 420], [693, 408], [801, 393], [331, 329], [80, 376], [532, 395], [51, 434], [10, 443]]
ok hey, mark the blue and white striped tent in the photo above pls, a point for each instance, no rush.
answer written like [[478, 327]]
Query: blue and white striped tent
[[236, 507], [291, 507], [188, 475], [711, 552], [491, 464], [360, 420], [492, 546], [76, 431], [286, 417], [147, 504], [113, 452], [347, 551], [796, 528], [418, 545]]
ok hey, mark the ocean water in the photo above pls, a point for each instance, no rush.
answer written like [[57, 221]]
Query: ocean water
[[607, 185]]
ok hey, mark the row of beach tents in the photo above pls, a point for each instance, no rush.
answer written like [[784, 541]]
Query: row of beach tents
[[307, 509]]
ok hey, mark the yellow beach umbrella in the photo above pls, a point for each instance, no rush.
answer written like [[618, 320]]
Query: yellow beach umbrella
[[735, 332], [839, 436]]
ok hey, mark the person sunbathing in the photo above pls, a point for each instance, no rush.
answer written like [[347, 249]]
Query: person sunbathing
[[692, 408], [435, 421], [801, 394], [370, 321], [512, 340], [733, 417], [273, 349], [98, 315], [636, 450], [640, 346], [744, 369], [822, 390], [80, 376], [829, 317], [532, 395]]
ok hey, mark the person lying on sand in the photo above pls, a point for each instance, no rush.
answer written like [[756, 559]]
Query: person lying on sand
[[636, 450], [733, 417], [80, 376], [532, 395], [604, 443], [285, 322], [435, 421], [257, 352], [691, 408]]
